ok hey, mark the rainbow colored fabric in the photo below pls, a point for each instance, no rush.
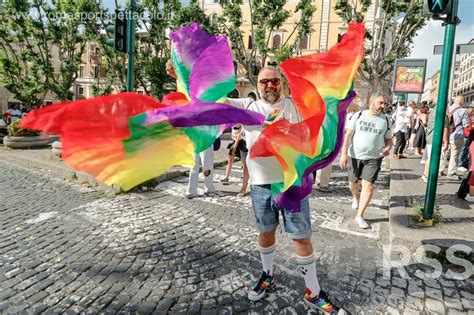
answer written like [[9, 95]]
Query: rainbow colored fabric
[[321, 87], [127, 139]]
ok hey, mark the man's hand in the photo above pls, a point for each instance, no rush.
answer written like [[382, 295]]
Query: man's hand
[[385, 152], [343, 161], [445, 146]]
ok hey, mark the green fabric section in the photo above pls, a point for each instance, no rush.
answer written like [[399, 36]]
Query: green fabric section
[[182, 72], [140, 134], [215, 92], [202, 137]]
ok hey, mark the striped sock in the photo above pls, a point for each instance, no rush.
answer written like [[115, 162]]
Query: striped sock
[[307, 267], [266, 254]]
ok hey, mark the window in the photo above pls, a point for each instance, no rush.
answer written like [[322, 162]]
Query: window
[[214, 18], [96, 71], [97, 51], [80, 90], [304, 41], [142, 49], [250, 43], [276, 42], [140, 92], [81, 71]]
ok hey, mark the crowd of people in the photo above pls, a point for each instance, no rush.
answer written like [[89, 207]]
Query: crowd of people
[[415, 124], [14, 113]]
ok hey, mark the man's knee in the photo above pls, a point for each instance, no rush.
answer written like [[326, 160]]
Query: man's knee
[[267, 238], [207, 173], [368, 185], [304, 242]]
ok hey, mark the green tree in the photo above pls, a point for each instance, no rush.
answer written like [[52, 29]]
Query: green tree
[[21, 72], [392, 38], [266, 16], [41, 44]]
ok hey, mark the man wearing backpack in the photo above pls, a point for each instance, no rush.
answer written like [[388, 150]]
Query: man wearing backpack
[[458, 119], [367, 141]]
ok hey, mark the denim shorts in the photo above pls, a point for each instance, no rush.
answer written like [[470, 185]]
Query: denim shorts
[[266, 210]]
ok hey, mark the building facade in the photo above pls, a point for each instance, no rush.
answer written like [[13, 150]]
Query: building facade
[[435, 87], [326, 29], [426, 96], [465, 78]]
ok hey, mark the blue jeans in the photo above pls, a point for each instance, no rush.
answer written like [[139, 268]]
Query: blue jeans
[[464, 154], [266, 210]]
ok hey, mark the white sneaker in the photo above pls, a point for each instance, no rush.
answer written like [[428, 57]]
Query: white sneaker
[[469, 198], [362, 224], [355, 204], [462, 169]]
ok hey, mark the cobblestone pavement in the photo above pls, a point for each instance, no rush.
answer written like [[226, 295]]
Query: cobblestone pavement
[[69, 249]]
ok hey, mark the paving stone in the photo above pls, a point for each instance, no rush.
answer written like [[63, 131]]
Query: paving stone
[[453, 303], [434, 293], [434, 306]]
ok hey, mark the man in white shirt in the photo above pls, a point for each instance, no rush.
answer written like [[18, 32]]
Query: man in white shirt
[[14, 112], [402, 117], [266, 171]]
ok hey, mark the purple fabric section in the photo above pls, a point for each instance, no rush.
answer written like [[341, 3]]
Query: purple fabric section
[[213, 72], [189, 42], [291, 198], [203, 114]]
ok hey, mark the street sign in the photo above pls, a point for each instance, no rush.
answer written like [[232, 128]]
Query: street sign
[[409, 76], [118, 31], [436, 7], [460, 49]]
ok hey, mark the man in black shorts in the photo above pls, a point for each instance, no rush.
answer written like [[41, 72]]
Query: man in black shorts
[[367, 141]]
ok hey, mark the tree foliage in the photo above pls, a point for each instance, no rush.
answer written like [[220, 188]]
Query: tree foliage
[[266, 16], [41, 44], [392, 38]]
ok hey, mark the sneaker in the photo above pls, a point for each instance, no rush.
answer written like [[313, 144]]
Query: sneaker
[[260, 287], [469, 198], [211, 194], [241, 194], [323, 189], [362, 223], [453, 176], [462, 169], [424, 179], [190, 196], [355, 204], [225, 180], [322, 302]]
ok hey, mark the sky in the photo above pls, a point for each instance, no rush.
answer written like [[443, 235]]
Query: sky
[[433, 33]]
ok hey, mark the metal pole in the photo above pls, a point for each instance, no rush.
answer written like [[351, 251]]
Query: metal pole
[[131, 45], [446, 63]]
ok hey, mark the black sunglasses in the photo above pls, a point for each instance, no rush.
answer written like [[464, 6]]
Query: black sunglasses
[[274, 81], [236, 128]]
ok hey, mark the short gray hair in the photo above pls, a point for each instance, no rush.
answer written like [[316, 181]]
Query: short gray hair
[[376, 96], [270, 68]]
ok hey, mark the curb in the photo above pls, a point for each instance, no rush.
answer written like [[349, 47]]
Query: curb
[[68, 173]]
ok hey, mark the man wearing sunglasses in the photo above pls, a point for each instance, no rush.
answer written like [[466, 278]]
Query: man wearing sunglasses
[[266, 171]]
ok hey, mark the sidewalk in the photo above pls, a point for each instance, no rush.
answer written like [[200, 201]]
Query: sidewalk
[[407, 189], [43, 159]]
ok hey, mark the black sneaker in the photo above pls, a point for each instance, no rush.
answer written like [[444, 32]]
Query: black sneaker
[[322, 302], [260, 287]]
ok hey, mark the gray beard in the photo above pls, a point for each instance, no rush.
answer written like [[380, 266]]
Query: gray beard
[[270, 97]]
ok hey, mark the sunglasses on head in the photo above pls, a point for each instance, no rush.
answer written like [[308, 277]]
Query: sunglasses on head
[[274, 81], [236, 128]]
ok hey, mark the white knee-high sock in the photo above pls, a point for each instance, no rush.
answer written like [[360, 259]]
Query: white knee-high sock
[[307, 266], [266, 254]]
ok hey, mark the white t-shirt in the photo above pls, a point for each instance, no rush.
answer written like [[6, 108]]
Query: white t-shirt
[[402, 117], [16, 113], [265, 170]]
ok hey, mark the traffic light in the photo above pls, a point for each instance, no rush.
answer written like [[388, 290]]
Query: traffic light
[[438, 7], [118, 31]]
